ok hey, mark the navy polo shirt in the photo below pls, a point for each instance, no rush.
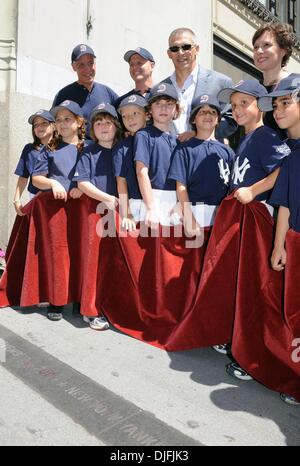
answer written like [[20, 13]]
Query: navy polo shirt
[[86, 99], [123, 166], [286, 191], [155, 148], [26, 164], [59, 164], [204, 167], [259, 153], [95, 165]]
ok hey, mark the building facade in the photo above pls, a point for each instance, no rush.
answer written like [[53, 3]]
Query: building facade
[[37, 38]]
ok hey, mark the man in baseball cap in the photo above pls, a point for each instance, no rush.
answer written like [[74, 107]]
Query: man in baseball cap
[[86, 92], [141, 66]]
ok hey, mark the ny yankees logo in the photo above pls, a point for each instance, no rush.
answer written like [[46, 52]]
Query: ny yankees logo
[[240, 171], [224, 171]]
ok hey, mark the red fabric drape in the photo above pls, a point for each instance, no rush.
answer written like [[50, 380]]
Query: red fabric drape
[[262, 341]]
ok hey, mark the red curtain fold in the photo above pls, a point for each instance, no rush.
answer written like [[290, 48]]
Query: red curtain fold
[[262, 341]]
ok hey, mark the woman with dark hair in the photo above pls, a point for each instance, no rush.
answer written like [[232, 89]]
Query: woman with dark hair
[[272, 48]]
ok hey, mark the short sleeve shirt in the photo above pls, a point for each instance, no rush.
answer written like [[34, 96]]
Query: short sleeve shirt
[[26, 164], [123, 165], [95, 165], [286, 191], [59, 164], [204, 167], [155, 149], [259, 153]]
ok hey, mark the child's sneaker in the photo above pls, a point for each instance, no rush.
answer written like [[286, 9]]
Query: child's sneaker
[[223, 349], [289, 399], [235, 370], [96, 323]]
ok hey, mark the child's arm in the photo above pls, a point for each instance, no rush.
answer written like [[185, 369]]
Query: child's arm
[[247, 194], [128, 222], [191, 227], [90, 190], [278, 259], [21, 185], [146, 191], [43, 183]]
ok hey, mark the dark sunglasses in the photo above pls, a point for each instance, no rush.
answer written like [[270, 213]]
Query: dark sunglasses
[[184, 47]]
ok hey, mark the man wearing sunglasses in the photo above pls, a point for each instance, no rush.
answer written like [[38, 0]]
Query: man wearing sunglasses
[[192, 80]]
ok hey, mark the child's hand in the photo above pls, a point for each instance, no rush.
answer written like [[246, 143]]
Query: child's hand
[[278, 259], [18, 208], [112, 203], [186, 136], [75, 193], [128, 224], [59, 191], [151, 219], [244, 195], [192, 228]]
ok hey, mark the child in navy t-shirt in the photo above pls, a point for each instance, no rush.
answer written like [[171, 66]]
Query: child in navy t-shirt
[[153, 150], [201, 167], [285, 101], [43, 132], [55, 168], [134, 117], [94, 172], [258, 159]]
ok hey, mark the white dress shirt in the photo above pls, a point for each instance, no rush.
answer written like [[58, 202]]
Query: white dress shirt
[[185, 94]]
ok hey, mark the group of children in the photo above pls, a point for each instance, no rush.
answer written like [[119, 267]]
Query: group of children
[[151, 177]]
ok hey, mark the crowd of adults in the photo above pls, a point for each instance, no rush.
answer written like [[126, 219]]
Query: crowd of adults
[[272, 48]]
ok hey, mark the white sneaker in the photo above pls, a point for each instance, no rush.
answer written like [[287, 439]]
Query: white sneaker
[[96, 323], [289, 399], [223, 349]]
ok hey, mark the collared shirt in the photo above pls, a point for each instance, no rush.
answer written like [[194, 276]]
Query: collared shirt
[[286, 190], [259, 153], [186, 94]]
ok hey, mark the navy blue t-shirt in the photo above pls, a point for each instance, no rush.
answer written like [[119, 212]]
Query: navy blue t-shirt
[[259, 153], [204, 167], [123, 166], [26, 164], [86, 99], [286, 191], [95, 165], [155, 148], [59, 164]]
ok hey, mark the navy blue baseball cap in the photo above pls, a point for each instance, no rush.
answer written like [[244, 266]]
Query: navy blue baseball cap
[[80, 50], [103, 108], [286, 86], [133, 99], [162, 90], [144, 53], [69, 105], [249, 86], [43, 114], [204, 99]]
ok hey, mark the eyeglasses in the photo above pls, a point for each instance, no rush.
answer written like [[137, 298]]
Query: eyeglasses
[[184, 47]]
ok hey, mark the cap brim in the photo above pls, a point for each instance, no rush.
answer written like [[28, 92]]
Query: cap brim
[[84, 53], [96, 112], [225, 94], [265, 103]]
